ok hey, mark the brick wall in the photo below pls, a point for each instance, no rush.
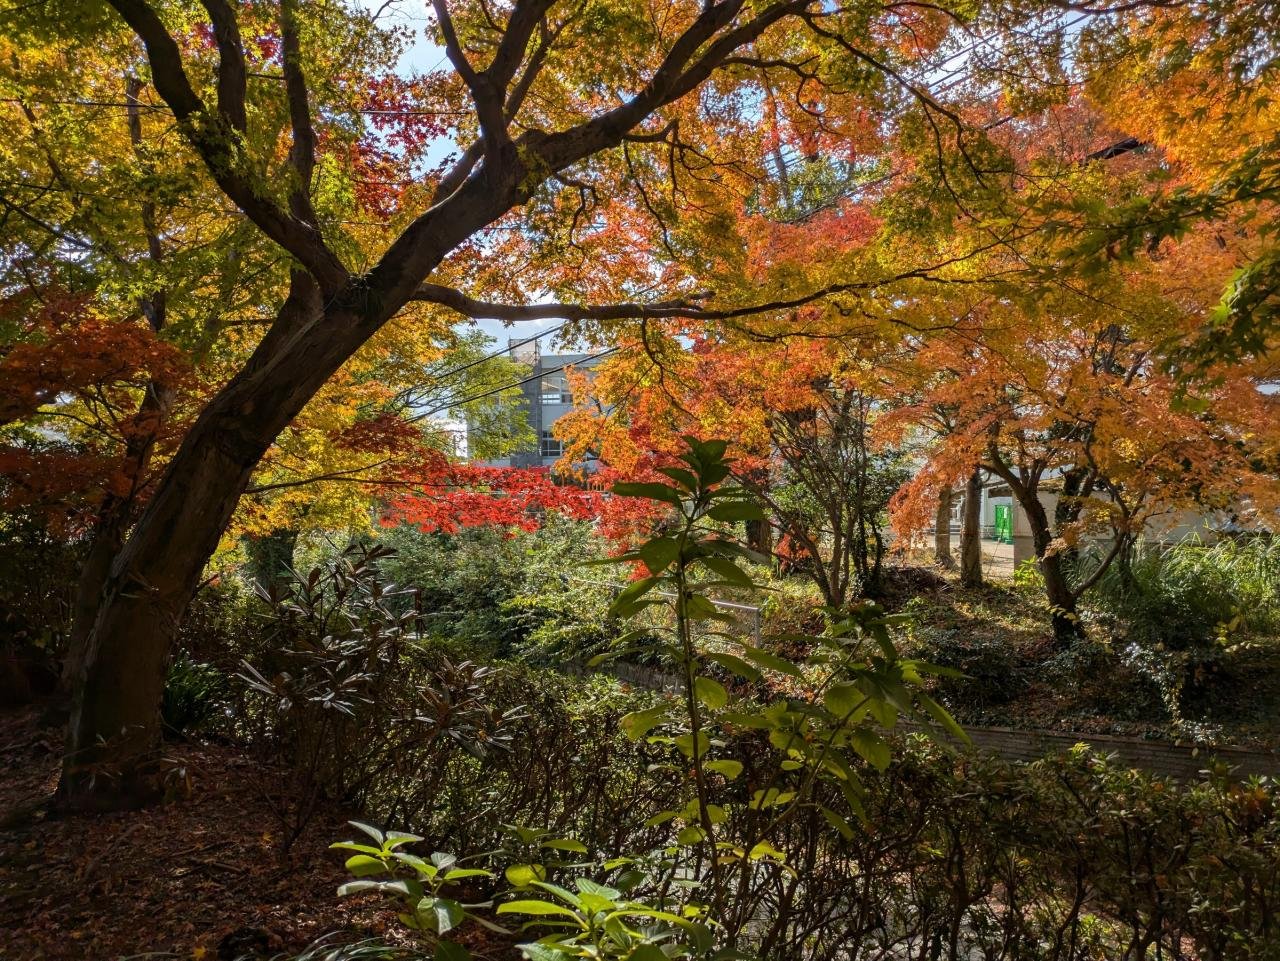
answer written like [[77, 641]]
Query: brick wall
[[1160, 757]]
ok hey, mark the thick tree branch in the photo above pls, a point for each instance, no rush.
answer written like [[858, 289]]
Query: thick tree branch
[[232, 73], [221, 146], [303, 153], [488, 96]]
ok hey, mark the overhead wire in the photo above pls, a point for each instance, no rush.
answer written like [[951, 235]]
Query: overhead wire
[[518, 383]]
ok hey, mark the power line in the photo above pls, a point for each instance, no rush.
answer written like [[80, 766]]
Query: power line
[[501, 351], [519, 383], [453, 372]]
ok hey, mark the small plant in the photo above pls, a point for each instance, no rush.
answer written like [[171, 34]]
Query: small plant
[[194, 694], [422, 886], [601, 923], [1027, 576]]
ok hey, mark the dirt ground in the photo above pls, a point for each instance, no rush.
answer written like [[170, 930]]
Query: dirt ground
[[201, 877]]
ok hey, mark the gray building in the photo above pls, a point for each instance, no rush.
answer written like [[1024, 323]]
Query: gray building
[[546, 398]]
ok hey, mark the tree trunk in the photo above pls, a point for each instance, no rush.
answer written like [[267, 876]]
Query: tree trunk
[[942, 530], [760, 537], [114, 734], [103, 548], [271, 556], [971, 533], [115, 719], [1062, 599]]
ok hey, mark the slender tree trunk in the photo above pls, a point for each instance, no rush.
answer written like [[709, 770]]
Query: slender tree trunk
[[271, 555], [1062, 599], [971, 533], [942, 530], [117, 510]]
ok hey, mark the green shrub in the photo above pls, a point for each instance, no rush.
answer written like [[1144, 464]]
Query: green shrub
[[499, 591], [341, 698], [991, 671], [1188, 595], [1183, 608], [195, 693]]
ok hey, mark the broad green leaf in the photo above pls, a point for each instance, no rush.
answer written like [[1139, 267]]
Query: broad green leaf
[[765, 850], [449, 951], [639, 723], [872, 747], [634, 591], [771, 662], [736, 510], [352, 846], [567, 896], [397, 838], [681, 476], [659, 553], [839, 823], [358, 887], [942, 716], [537, 908], [587, 886], [710, 692], [447, 914], [735, 664], [699, 607], [362, 865], [653, 492], [457, 874], [691, 834], [648, 952], [566, 844], [843, 699], [728, 570], [523, 875], [368, 829], [761, 800], [685, 744], [728, 768]]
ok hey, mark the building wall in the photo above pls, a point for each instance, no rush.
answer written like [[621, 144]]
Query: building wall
[[544, 400]]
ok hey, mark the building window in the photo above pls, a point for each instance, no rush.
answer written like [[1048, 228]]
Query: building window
[[551, 446], [556, 391]]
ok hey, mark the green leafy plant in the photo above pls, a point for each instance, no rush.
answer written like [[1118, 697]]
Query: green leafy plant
[[423, 886], [850, 687], [538, 851], [194, 694], [600, 922]]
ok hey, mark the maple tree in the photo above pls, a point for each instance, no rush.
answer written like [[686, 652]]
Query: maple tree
[[1071, 395], [801, 418], [1197, 83], [268, 103]]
